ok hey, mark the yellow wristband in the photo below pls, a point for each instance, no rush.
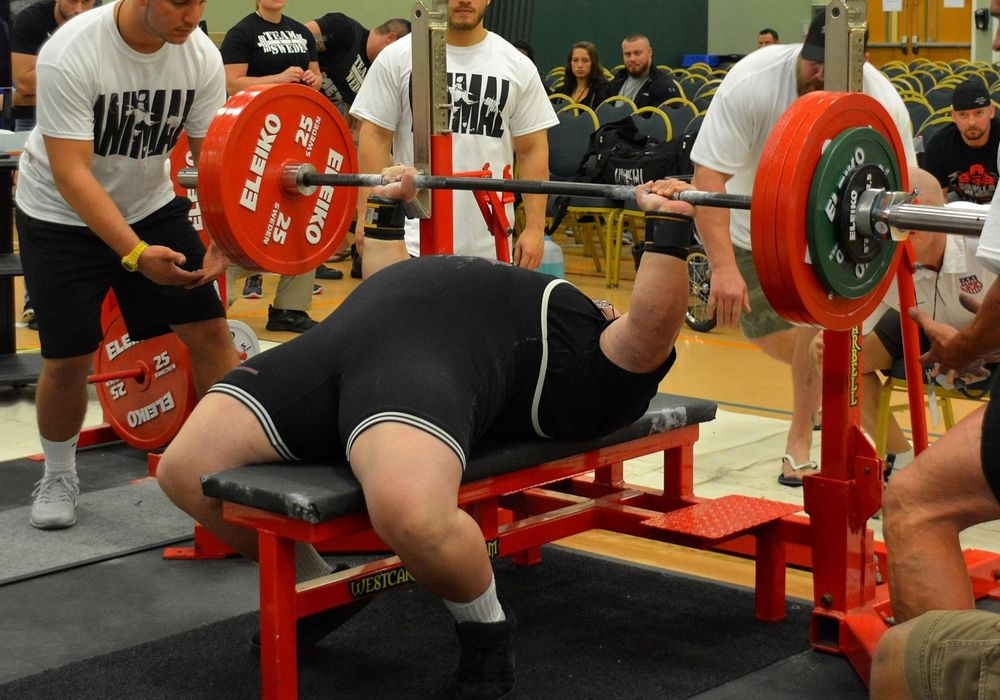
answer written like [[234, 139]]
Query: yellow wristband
[[131, 261]]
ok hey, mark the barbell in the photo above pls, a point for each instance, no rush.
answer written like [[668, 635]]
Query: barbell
[[276, 188]]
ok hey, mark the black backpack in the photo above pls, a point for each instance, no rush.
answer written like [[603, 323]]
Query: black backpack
[[619, 155]]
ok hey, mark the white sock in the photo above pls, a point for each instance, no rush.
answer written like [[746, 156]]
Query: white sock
[[60, 457], [902, 459], [308, 563], [485, 608]]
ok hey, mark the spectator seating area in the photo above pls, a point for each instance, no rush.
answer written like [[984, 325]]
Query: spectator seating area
[[601, 225]]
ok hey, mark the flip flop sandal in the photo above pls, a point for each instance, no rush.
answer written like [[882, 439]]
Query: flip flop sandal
[[792, 481]]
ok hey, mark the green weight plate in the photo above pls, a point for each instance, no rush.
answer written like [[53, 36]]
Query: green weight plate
[[840, 266]]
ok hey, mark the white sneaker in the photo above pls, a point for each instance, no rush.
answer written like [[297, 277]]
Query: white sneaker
[[54, 506]]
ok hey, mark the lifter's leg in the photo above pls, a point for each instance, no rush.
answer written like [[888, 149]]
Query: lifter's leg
[[211, 348], [411, 480], [925, 507], [220, 434]]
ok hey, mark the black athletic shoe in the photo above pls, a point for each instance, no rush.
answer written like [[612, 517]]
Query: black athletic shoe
[[328, 273], [287, 320], [310, 631], [486, 667], [355, 263]]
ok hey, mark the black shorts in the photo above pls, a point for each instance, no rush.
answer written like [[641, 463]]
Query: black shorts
[[454, 346], [990, 449], [890, 333], [68, 271]]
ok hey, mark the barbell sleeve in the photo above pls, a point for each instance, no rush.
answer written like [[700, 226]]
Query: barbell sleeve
[[884, 215], [135, 372]]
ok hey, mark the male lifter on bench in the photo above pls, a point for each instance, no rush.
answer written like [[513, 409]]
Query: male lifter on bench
[[410, 372]]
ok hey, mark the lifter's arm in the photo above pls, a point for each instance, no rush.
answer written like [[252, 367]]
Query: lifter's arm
[[642, 339], [728, 295]]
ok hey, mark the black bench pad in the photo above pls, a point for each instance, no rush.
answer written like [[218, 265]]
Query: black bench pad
[[317, 492]]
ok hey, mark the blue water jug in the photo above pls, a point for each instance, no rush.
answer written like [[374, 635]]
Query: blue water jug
[[552, 259]]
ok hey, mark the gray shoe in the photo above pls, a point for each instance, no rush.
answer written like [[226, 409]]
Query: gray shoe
[[54, 506]]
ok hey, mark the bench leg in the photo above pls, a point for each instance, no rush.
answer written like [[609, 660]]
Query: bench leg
[[528, 557], [278, 663], [769, 576], [612, 474]]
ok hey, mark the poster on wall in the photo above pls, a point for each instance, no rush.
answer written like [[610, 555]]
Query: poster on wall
[[892, 5]]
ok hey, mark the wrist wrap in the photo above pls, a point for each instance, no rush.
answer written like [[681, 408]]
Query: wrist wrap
[[668, 233], [384, 219]]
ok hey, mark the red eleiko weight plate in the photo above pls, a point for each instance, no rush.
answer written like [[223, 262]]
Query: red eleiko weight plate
[[250, 214], [180, 157], [146, 414], [780, 206]]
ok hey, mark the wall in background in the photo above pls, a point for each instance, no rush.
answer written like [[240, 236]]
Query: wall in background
[[733, 24], [674, 28], [223, 14]]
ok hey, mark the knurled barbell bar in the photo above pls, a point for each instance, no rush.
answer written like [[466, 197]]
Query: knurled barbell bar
[[276, 183], [304, 179]]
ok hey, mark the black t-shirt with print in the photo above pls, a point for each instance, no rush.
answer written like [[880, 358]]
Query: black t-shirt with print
[[32, 27], [344, 62], [971, 173], [268, 48]]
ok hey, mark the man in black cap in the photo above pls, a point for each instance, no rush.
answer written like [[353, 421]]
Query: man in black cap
[[751, 99], [963, 155]]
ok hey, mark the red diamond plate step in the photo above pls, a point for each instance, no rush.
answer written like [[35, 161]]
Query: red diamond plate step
[[722, 518]]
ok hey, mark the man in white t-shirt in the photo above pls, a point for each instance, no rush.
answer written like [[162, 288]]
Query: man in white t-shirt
[[499, 111], [115, 88], [749, 102]]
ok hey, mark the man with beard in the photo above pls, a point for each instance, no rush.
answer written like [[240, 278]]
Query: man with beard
[[749, 102], [499, 111], [640, 80], [963, 155]]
